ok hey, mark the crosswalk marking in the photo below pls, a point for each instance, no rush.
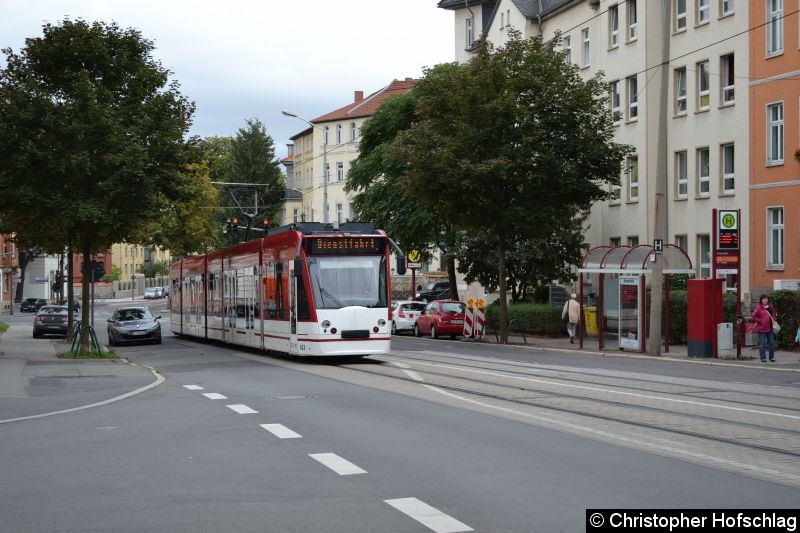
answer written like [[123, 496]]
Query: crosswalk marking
[[214, 396], [241, 408], [193, 387], [281, 431], [337, 464], [428, 516]]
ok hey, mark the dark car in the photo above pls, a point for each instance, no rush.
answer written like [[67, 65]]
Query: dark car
[[133, 324], [50, 320], [32, 305], [444, 317], [437, 290]]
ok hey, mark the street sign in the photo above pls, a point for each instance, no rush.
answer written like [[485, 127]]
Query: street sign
[[728, 230], [658, 245], [414, 258]]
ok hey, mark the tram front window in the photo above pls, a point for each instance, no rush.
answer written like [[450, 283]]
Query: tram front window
[[347, 281]]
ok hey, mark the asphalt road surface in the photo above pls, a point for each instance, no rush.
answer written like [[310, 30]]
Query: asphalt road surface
[[440, 435]]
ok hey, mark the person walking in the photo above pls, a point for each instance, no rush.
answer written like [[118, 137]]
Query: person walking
[[764, 317], [572, 314]]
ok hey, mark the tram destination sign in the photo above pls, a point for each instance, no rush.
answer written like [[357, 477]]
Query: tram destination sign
[[346, 245], [728, 230]]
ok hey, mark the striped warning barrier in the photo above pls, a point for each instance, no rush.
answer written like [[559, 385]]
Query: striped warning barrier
[[468, 318], [479, 322]]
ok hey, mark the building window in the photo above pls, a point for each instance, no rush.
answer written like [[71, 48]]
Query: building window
[[774, 27], [633, 240], [294, 214], [703, 85], [633, 98], [727, 79], [566, 43], [775, 134], [613, 26], [340, 171], [728, 169], [633, 21], [682, 242], [680, 91], [470, 33], [616, 193], [704, 255], [585, 49], [352, 211], [703, 174], [681, 179], [726, 7], [339, 214], [633, 179], [615, 241], [338, 134], [615, 102], [679, 10], [702, 11], [352, 131], [502, 20], [325, 131], [775, 237]]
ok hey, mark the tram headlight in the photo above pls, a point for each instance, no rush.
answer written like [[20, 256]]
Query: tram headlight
[[381, 322], [326, 324]]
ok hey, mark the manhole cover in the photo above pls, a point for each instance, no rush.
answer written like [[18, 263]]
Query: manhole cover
[[307, 397]]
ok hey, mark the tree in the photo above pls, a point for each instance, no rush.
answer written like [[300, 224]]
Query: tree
[[510, 144], [216, 155], [252, 161], [92, 142], [152, 270], [380, 184]]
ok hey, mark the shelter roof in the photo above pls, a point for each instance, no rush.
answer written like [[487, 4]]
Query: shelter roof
[[634, 260]]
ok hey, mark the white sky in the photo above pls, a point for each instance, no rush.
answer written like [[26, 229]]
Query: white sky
[[239, 59]]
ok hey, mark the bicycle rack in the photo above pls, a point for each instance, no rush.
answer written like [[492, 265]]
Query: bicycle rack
[[76, 341]]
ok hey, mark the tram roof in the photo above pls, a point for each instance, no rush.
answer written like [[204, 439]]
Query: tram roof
[[315, 228]]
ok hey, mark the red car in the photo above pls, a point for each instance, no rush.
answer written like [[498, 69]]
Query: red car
[[443, 317]]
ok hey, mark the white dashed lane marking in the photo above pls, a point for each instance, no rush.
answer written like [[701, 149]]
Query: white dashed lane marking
[[428, 516], [193, 387], [242, 409], [337, 464], [281, 431], [214, 396]]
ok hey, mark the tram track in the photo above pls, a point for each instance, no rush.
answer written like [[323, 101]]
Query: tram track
[[537, 404]]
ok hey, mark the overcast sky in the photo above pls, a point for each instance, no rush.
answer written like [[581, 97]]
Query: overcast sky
[[240, 59]]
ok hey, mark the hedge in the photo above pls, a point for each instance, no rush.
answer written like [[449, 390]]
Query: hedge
[[533, 319], [787, 304]]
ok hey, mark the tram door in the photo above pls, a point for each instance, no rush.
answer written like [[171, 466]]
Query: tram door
[[241, 293], [293, 281]]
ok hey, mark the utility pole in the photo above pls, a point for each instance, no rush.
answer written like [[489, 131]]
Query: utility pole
[[658, 105]]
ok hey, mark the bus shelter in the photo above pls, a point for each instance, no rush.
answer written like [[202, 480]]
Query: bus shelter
[[622, 273]]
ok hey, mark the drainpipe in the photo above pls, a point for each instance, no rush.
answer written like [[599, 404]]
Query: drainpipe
[[539, 18]]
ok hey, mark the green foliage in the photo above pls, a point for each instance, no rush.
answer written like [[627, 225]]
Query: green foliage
[[114, 275], [252, 160], [532, 319], [91, 354], [678, 313], [3, 327], [152, 270], [787, 303]]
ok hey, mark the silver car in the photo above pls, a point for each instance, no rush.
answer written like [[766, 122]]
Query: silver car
[[133, 324], [404, 315]]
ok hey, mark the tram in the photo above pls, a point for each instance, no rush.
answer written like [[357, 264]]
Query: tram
[[305, 289]]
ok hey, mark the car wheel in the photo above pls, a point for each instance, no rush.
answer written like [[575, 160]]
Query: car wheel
[[434, 333], [35, 335], [110, 339], [453, 336], [394, 328], [416, 330], [158, 340]]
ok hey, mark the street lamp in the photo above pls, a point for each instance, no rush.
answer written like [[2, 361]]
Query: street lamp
[[324, 163]]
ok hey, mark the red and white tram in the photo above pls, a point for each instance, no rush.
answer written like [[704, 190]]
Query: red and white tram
[[304, 289]]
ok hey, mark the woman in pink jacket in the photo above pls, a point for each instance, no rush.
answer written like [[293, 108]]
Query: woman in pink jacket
[[763, 315]]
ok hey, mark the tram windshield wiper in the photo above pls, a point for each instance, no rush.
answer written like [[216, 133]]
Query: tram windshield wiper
[[328, 294]]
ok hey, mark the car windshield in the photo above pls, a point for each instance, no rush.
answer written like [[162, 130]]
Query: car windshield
[[453, 308], [53, 310], [414, 307], [338, 282], [125, 315]]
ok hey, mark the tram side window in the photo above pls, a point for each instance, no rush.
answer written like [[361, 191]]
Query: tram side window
[[302, 300], [279, 292]]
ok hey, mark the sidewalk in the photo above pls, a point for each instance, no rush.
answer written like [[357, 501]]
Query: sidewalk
[[34, 381], [784, 360]]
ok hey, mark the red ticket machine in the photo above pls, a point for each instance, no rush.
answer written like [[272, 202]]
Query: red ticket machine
[[703, 313]]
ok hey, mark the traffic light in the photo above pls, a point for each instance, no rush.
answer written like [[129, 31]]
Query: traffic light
[[266, 224], [234, 224]]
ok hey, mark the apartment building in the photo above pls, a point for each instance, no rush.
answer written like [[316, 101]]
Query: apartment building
[[706, 135], [293, 197], [774, 144], [8, 269], [132, 258], [336, 135]]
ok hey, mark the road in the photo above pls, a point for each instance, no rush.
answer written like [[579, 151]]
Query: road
[[440, 435]]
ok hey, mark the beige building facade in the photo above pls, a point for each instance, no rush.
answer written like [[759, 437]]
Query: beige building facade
[[131, 259], [706, 132]]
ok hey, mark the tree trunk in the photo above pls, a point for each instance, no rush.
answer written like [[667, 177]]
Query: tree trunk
[[86, 249], [451, 277], [70, 291], [23, 259], [501, 261]]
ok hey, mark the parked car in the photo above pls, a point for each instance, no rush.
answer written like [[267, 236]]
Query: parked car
[[154, 293], [133, 324], [32, 305], [404, 314], [50, 320], [436, 290], [443, 317]]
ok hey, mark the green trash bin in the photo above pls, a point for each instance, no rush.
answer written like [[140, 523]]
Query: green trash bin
[[590, 320]]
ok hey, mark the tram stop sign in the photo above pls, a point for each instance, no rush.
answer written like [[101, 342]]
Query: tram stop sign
[[728, 230], [414, 258]]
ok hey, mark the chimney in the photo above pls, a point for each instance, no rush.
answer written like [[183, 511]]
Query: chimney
[[359, 95]]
